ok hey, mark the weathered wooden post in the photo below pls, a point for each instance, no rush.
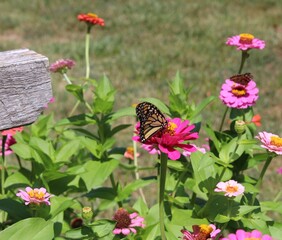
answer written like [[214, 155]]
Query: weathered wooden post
[[25, 87]]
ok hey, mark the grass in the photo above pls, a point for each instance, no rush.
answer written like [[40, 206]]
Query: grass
[[146, 42]]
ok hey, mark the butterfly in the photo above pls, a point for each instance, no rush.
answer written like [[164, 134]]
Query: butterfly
[[243, 79], [152, 121]]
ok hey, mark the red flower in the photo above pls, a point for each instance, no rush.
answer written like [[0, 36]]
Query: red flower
[[11, 131], [91, 18], [256, 120]]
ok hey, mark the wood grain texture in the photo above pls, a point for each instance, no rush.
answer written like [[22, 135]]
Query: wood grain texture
[[25, 87]]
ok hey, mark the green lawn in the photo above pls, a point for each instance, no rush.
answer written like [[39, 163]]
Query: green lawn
[[144, 44]]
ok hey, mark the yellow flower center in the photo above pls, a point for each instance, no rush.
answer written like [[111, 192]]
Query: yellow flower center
[[276, 141], [239, 91], [252, 238], [36, 194], [246, 38], [130, 150], [206, 229], [171, 128], [92, 15], [231, 189]]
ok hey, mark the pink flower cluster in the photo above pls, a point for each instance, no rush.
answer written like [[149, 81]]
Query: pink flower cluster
[[173, 138], [245, 41], [61, 65], [236, 95], [243, 235]]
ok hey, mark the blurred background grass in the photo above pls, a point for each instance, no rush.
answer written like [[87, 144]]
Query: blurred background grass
[[144, 44]]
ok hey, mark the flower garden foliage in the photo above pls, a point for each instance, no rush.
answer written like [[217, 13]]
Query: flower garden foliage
[[67, 174]]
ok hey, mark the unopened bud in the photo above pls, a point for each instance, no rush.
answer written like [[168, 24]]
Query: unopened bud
[[87, 213], [240, 126]]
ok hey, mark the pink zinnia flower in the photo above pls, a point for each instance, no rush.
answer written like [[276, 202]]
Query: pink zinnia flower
[[202, 149], [202, 231], [61, 65], [8, 143], [35, 196], [91, 19], [11, 131], [231, 188], [271, 142], [279, 170], [237, 95], [129, 153], [174, 137], [243, 235], [245, 41], [126, 223]]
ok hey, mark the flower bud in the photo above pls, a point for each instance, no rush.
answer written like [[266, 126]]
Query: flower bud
[[87, 213], [240, 126]]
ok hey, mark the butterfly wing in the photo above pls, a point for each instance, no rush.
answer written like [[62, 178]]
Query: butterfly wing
[[151, 119], [243, 79]]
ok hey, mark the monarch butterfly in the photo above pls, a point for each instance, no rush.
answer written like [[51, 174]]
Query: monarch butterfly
[[152, 121], [243, 79]]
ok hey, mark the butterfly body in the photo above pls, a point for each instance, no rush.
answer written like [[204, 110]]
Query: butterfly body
[[152, 121], [243, 79]]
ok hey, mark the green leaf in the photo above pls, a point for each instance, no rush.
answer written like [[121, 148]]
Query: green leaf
[[67, 150], [76, 90], [42, 126], [15, 209], [92, 146], [78, 120], [59, 205], [23, 150], [184, 217], [276, 230], [201, 106], [31, 228], [231, 151], [43, 145], [95, 172], [160, 105], [16, 180], [123, 112]]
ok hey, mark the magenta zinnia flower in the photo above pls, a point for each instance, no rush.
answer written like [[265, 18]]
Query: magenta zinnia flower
[[271, 142], [237, 95], [243, 235], [35, 196], [8, 143], [126, 223], [174, 137], [245, 41], [61, 65], [231, 188], [202, 231]]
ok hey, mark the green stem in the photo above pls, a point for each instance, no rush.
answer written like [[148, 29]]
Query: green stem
[[266, 164], [177, 183], [114, 185], [162, 178], [3, 167], [74, 108], [87, 40], [245, 55], [67, 78], [223, 119], [136, 170]]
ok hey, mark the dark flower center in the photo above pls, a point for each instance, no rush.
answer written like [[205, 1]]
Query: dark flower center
[[122, 218], [239, 91]]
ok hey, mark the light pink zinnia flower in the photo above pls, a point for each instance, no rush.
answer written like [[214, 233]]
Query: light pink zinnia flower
[[8, 143], [202, 149], [237, 95], [271, 142], [129, 153], [61, 65], [245, 41], [174, 137], [243, 235], [35, 196], [202, 231], [126, 223], [231, 188]]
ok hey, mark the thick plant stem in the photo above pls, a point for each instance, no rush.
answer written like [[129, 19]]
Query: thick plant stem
[[87, 63], [162, 178]]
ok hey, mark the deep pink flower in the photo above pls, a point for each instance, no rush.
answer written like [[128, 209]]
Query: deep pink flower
[[279, 170], [271, 142], [8, 143], [243, 235], [126, 223], [35, 196], [61, 65], [202, 231], [245, 41], [129, 153], [231, 188], [237, 95], [173, 138], [91, 18]]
